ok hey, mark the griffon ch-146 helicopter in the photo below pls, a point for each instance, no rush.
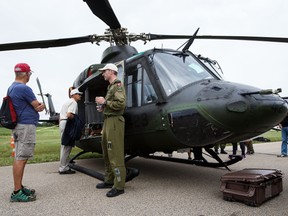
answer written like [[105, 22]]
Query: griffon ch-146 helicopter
[[175, 99]]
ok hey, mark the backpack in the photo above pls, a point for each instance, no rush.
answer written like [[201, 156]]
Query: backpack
[[8, 116]]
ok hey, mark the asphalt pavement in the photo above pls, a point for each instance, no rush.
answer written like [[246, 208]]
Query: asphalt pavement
[[162, 188]]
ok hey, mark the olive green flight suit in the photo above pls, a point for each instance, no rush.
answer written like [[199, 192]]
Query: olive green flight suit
[[113, 135], [250, 149]]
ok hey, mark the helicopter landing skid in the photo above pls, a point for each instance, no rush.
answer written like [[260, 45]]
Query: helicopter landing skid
[[197, 162], [130, 172]]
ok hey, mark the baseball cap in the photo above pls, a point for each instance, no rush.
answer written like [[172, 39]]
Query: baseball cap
[[75, 91], [22, 67], [109, 66]]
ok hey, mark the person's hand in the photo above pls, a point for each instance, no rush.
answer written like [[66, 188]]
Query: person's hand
[[40, 108], [100, 103], [100, 108], [100, 100]]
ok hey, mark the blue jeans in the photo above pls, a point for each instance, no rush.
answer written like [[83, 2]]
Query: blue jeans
[[284, 133]]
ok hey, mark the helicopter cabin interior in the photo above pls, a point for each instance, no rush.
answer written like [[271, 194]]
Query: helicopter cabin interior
[[139, 92]]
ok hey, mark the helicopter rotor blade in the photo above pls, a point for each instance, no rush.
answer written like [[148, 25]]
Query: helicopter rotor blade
[[46, 43], [247, 38], [103, 10], [146, 37], [220, 37], [40, 89]]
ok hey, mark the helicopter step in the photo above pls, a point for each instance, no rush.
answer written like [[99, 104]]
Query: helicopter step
[[130, 172]]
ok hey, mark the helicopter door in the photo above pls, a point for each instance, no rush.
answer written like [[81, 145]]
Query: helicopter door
[[143, 112], [94, 119], [93, 86]]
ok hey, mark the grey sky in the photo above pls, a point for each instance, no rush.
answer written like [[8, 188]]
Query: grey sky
[[253, 63]]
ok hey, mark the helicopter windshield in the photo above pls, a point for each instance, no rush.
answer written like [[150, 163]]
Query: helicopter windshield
[[176, 70]]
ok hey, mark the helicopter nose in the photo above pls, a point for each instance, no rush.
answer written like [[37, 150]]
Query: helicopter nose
[[224, 112], [242, 109]]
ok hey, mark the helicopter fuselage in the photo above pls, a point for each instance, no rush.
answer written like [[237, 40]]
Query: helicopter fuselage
[[174, 101]]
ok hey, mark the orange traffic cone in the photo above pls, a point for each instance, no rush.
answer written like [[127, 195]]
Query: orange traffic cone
[[12, 145]]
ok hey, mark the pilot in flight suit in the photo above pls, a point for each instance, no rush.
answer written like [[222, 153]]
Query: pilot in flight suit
[[113, 106]]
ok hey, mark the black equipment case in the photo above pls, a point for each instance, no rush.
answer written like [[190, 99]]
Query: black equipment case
[[251, 186]]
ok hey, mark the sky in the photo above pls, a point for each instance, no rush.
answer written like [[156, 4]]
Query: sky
[[260, 64]]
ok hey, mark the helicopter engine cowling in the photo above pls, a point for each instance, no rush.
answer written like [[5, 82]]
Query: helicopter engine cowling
[[118, 53]]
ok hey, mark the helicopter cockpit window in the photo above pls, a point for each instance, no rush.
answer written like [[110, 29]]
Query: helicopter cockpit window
[[139, 88], [177, 71]]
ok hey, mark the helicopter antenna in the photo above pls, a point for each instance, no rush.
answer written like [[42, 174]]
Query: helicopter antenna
[[189, 42]]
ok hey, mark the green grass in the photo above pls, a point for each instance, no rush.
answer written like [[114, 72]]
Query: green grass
[[47, 147], [273, 135]]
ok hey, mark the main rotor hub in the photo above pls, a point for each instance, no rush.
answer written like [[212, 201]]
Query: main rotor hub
[[118, 36]]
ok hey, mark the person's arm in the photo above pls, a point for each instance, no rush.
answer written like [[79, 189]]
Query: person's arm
[[71, 111], [39, 107], [119, 98], [70, 115]]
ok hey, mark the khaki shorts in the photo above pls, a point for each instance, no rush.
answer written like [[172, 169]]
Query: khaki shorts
[[24, 139]]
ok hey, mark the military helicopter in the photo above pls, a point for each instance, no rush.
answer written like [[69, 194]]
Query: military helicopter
[[175, 99]]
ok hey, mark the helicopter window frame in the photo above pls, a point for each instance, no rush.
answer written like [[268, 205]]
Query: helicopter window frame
[[149, 93], [139, 88], [120, 73]]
